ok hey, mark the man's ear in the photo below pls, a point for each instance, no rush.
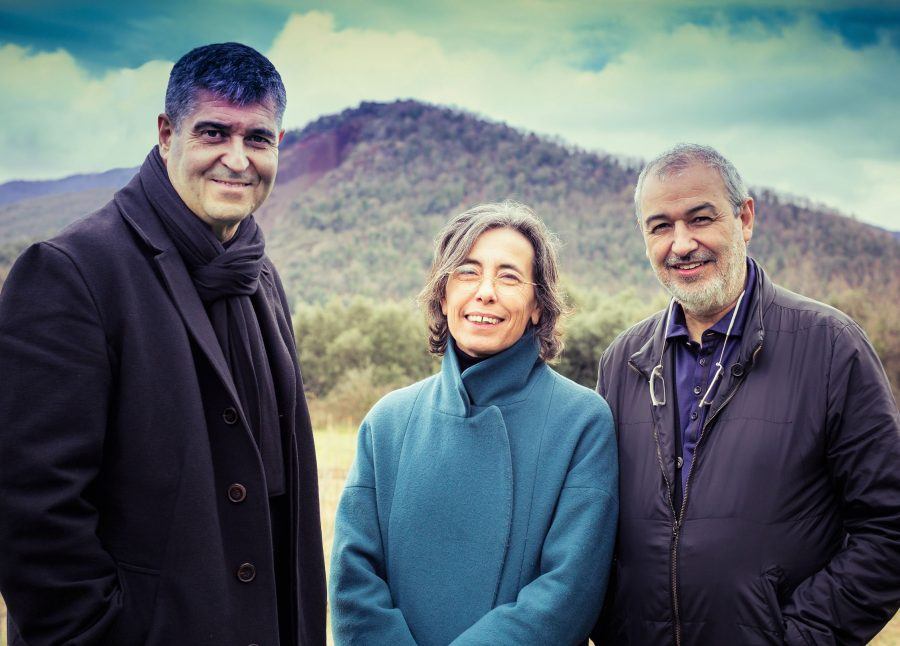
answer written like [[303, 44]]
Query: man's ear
[[747, 215], [166, 132]]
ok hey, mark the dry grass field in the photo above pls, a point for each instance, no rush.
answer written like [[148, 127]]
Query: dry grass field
[[335, 448]]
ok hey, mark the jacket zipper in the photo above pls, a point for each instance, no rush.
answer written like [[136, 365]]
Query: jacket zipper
[[680, 517], [673, 549]]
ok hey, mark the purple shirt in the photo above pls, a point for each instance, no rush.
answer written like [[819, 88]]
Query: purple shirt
[[695, 366]]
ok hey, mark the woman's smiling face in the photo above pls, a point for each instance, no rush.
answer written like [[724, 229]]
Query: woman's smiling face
[[490, 298]]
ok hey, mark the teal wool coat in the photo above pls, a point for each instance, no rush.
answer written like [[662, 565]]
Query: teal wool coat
[[481, 509]]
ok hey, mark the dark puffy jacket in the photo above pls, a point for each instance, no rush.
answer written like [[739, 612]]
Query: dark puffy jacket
[[790, 527]]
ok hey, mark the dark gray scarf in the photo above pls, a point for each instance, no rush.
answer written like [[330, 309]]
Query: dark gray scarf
[[227, 280]]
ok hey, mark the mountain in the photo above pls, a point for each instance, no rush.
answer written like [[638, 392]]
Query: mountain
[[361, 194], [23, 189]]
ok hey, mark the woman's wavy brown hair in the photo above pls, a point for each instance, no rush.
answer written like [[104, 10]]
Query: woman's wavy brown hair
[[452, 246]]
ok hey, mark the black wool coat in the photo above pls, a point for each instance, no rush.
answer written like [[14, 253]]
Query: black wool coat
[[133, 506]]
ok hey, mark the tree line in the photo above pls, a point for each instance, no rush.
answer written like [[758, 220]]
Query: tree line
[[355, 350]]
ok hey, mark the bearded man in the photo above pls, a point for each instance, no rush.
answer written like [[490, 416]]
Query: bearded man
[[157, 471], [759, 441]]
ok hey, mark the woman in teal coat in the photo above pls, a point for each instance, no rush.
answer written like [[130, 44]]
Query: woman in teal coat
[[481, 507]]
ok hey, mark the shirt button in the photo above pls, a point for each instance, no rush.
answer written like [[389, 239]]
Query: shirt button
[[237, 492], [697, 390], [246, 572], [694, 416], [230, 416]]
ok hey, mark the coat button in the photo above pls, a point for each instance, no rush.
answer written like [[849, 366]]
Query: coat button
[[737, 370], [697, 390], [694, 415], [237, 492], [246, 572], [230, 416], [679, 462]]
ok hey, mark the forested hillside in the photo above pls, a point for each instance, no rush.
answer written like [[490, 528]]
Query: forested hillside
[[361, 194], [379, 180]]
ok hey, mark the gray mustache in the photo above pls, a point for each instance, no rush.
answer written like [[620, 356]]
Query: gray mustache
[[701, 255]]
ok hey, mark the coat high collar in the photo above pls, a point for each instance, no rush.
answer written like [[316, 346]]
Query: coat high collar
[[505, 378]]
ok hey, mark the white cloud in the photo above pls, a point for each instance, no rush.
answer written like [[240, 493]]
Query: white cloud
[[59, 120], [794, 108]]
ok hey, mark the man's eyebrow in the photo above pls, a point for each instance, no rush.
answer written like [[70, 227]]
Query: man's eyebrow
[[200, 126], [264, 132], [700, 207], [224, 127], [655, 217], [691, 211]]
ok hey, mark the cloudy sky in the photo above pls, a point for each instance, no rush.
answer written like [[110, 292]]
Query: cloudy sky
[[803, 95]]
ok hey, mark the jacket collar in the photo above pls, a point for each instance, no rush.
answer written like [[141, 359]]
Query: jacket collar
[[505, 378], [655, 351], [647, 357]]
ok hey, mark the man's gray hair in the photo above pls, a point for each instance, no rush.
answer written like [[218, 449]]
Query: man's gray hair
[[453, 244], [679, 157], [232, 71]]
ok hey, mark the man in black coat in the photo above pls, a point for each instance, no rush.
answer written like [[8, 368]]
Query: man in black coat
[[157, 469], [759, 441]]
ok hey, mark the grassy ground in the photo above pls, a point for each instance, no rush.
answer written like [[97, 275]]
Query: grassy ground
[[335, 448]]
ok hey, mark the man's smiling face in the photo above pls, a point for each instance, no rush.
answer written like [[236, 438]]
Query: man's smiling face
[[223, 159], [695, 243]]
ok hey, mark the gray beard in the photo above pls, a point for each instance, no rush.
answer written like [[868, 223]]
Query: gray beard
[[716, 293]]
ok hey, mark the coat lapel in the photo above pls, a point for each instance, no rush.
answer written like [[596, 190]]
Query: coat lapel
[[190, 307], [138, 213]]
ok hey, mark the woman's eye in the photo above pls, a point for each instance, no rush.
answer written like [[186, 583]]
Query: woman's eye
[[466, 274], [510, 280]]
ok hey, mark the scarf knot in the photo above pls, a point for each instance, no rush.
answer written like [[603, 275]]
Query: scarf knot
[[234, 272]]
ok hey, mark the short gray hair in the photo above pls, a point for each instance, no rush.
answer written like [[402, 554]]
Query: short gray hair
[[453, 244], [681, 156], [232, 71]]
